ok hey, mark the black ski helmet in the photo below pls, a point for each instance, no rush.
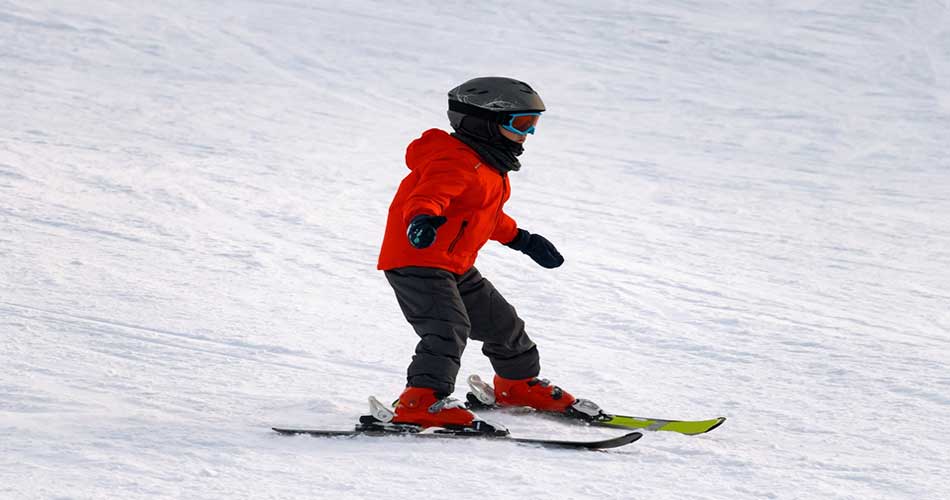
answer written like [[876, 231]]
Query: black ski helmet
[[492, 98]]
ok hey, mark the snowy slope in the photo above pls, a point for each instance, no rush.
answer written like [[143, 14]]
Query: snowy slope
[[751, 198]]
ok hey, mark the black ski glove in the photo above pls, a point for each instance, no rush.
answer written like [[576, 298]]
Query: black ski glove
[[422, 228], [538, 248]]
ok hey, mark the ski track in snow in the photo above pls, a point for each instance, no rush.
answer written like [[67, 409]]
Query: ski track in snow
[[751, 198]]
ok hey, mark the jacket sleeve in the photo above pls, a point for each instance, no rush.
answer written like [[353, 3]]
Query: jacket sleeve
[[439, 183], [506, 229]]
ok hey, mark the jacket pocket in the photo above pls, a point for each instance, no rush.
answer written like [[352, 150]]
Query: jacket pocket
[[458, 236]]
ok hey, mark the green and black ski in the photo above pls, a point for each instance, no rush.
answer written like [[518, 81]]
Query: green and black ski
[[586, 412]]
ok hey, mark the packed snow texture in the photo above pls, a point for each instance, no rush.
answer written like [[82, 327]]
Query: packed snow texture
[[752, 198]]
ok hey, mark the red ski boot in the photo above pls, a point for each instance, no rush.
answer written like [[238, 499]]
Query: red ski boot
[[531, 392], [534, 392], [420, 406]]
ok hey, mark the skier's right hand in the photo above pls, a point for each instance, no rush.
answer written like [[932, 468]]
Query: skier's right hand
[[422, 229]]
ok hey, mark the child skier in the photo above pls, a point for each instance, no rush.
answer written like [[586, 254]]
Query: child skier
[[445, 210]]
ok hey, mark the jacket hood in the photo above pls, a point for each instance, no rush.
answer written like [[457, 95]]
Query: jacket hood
[[433, 144]]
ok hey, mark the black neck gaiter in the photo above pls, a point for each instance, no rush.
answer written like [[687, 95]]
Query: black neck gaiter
[[495, 149]]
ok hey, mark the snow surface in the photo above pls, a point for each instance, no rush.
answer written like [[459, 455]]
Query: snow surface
[[751, 196]]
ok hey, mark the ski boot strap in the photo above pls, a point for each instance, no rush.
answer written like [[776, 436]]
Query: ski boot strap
[[445, 404]]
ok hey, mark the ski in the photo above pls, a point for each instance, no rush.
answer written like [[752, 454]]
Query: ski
[[441, 433], [686, 427], [379, 423], [586, 412]]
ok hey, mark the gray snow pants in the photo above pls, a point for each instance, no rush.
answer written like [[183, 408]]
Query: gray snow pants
[[445, 309]]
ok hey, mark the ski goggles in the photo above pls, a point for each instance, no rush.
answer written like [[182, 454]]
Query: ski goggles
[[521, 123]]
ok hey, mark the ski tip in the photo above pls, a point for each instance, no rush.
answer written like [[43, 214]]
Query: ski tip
[[632, 436], [618, 441], [719, 421]]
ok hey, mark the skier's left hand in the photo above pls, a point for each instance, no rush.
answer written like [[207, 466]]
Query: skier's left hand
[[538, 248]]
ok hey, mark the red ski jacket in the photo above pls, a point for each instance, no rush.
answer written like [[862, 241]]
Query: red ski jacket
[[447, 178]]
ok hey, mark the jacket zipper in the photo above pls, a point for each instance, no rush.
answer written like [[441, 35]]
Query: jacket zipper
[[501, 201], [458, 236], [504, 192]]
